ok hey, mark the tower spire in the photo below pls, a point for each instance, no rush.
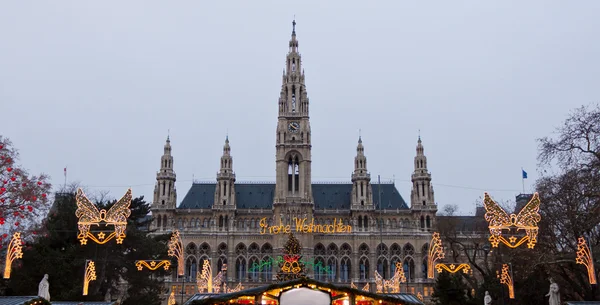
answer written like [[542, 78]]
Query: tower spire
[[165, 194], [361, 179], [225, 190], [422, 196], [294, 26]]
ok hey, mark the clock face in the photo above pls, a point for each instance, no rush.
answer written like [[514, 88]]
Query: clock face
[[294, 127]]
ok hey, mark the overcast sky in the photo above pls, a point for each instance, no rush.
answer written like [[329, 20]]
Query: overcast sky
[[95, 85]]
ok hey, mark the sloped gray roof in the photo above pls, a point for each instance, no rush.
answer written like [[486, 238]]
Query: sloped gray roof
[[15, 300], [260, 196]]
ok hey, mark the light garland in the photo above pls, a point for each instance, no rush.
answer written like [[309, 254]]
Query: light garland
[[352, 285], [171, 300], [14, 251], [391, 285], [420, 296], [90, 275], [584, 257], [152, 264], [204, 278], [452, 268], [89, 215], [499, 220], [176, 250], [436, 252], [237, 288], [367, 287], [506, 279]]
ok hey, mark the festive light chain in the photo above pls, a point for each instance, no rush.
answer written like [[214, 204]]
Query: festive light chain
[[13, 252], [176, 250], [366, 287], [90, 275], [204, 278], [153, 264], [584, 257], [507, 280], [499, 220], [436, 252], [171, 300], [352, 285], [391, 285], [89, 215], [452, 268], [420, 296]]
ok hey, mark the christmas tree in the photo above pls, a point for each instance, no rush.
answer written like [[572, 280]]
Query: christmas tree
[[291, 267]]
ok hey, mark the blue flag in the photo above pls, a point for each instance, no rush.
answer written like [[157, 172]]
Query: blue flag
[[524, 174]]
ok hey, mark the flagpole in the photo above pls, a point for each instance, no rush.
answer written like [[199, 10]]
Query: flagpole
[[523, 180], [65, 185]]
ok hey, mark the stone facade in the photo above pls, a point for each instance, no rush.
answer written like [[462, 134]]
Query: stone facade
[[222, 220]]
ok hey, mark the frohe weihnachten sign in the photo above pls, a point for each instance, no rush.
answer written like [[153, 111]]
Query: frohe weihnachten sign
[[304, 226]]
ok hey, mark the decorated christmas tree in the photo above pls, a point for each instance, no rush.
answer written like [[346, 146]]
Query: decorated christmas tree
[[292, 266]]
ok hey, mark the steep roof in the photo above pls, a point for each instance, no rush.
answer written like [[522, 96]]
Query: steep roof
[[260, 196]]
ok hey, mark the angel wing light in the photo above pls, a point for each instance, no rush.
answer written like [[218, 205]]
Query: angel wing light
[[498, 220], [89, 215]]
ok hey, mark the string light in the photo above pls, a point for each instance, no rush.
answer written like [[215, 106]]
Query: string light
[[90, 275], [453, 268], [506, 279], [391, 285], [176, 250], [152, 264], [366, 287], [13, 252], [352, 285], [436, 252], [89, 215], [237, 288], [499, 220], [420, 296], [171, 300], [584, 257]]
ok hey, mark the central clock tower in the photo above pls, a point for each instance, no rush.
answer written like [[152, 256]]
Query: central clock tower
[[293, 192]]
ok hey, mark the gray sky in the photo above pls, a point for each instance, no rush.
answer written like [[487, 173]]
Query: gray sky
[[96, 84]]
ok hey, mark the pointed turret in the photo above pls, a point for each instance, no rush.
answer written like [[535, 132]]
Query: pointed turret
[[422, 196], [362, 194], [225, 190], [165, 193]]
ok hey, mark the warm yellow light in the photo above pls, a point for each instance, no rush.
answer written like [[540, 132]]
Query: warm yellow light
[[584, 257], [171, 300], [366, 287], [176, 250], [152, 264], [436, 252], [391, 285], [506, 279], [90, 275], [420, 296], [499, 220], [452, 268], [13, 252], [89, 215]]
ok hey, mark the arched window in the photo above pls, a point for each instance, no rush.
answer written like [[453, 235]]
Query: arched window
[[158, 221], [190, 272], [345, 269], [240, 267], [409, 269], [364, 268], [320, 269], [360, 222], [382, 266], [422, 222], [254, 269], [428, 222], [332, 266]]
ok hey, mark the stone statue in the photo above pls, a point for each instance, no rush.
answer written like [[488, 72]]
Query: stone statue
[[487, 300], [293, 67], [43, 288], [554, 293], [293, 102]]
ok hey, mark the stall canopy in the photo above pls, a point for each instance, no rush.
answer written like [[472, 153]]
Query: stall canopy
[[303, 292]]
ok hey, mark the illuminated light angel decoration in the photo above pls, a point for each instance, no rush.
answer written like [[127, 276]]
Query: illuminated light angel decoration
[[90, 275], [13, 252], [171, 300], [89, 215], [436, 252], [392, 285], [153, 264], [453, 268], [176, 250], [506, 278], [204, 279], [420, 296], [584, 257], [527, 220], [352, 285], [367, 287]]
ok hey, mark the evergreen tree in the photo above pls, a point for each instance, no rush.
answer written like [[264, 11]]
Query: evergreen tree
[[56, 251], [292, 266], [449, 289]]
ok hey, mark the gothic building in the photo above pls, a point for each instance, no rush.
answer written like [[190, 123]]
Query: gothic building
[[236, 223]]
